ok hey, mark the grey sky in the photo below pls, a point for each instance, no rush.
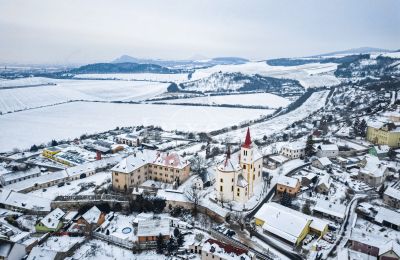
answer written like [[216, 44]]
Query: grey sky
[[71, 31]]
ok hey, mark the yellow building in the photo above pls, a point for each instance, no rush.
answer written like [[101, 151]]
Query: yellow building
[[149, 165], [384, 133], [290, 225], [51, 151]]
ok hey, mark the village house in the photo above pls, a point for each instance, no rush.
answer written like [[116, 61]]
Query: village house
[[380, 151], [327, 150], [308, 179], [372, 171], [51, 222], [384, 133], [288, 184], [12, 200], [294, 150], [391, 197], [388, 218], [90, 220], [289, 225], [323, 184], [322, 163], [149, 230], [149, 165], [129, 139], [335, 211], [213, 249], [238, 174], [11, 251]]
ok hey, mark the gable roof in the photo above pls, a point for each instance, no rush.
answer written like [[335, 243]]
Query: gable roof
[[392, 192], [288, 181], [390, 246], [92, 215], [52, 219]]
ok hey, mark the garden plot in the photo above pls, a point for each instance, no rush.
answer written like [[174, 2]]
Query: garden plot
[[60, 91], [257, 99], [67, 121], [309, 75]]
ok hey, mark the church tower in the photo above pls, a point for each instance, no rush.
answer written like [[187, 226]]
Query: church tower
[[247, 162]]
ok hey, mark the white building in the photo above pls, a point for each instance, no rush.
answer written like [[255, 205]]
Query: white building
[[237, 175], [327, 150], [322, 163], [294, 150]]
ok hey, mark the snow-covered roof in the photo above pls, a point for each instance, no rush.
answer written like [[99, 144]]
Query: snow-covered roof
[[24, 201], [390, 246], [20, 174], [325, 179], [70, 215], [92, 166], [392, 192], [332, 209], [388, 215], [52, 219], [288, 181], [40, 253], [329, 147], [153, 227], [286, 222], [241, 181], [92, 215], [295, 145], [324, 161], [229, 165], [373, 166], [145, 156]]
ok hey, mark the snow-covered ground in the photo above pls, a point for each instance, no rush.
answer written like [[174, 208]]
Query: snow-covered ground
[[257, 99], [313, 103], [97, 249], [71, 120], [309, 75], [66, 90], [177, 78]]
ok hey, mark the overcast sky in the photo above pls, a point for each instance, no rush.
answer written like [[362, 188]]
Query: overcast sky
[[72, 31]]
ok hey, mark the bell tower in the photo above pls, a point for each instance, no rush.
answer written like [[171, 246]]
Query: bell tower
[[247, 163]]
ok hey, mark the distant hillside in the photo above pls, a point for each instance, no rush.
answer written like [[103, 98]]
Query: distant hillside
[[302, 61], [126, 67], [225, 82], [182, 63], [361, 50]]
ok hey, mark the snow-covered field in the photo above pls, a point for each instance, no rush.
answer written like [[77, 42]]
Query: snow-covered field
[[309, 75], [313, 103], [257, 99], [67, 90], [71, 120], [177, 78]]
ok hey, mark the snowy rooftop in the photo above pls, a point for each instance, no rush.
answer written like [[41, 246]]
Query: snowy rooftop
[[329, 147], [39, 253], [388, 215], [393, 192], [53, 218], [286, 222], [373, 166], [295, 145], [324, 161], [145, 156], [92, 215], [20, 174], [225, 251], [326, 207], [382, 148], [153, 227], [25, 201], [288, 181]]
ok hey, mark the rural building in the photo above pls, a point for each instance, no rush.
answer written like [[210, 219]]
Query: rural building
[[322, 163], [288, 184], [330, 210], [327, 150], [90, 220], [238, 174], [149, 230], [14, 177], [51, 222], [380, 151], [294, 150], [391, 197], [129, 139], [323, 184], [372, 171], [288, 224], [213, 249]]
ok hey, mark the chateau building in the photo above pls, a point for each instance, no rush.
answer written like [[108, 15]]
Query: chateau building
[[149, 165], [237, 175]]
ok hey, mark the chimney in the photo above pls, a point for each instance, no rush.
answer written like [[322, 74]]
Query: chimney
[[98, 155]]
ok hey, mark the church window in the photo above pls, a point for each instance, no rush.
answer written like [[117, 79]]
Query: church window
[[222, 180], [244, 166], [254, 177], [232, 188], [220, 188]]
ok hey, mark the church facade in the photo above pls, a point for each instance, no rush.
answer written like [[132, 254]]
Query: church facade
[[239, 174]]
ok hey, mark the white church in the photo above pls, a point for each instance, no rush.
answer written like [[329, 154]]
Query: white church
[[239, 173]]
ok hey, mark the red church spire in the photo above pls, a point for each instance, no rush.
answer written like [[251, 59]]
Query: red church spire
[[247, 142]]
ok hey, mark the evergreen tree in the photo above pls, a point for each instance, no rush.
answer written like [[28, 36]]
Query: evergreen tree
[[176, 232], [286, 200], [180, 240], [309, 150], [362, 128], [54, 143], [391, 154], [306, 208], [171, 245], [34, 148], [356, 126], [160, 244]]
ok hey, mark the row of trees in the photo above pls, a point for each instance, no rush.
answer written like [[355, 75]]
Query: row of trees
[[172, 244]]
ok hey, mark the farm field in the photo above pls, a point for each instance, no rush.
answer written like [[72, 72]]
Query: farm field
[[60, 91], [70, 120], [256, 99], [177, 78]]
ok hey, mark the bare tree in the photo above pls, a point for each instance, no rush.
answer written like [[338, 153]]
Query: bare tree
[[198, 164], [193, 195]]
